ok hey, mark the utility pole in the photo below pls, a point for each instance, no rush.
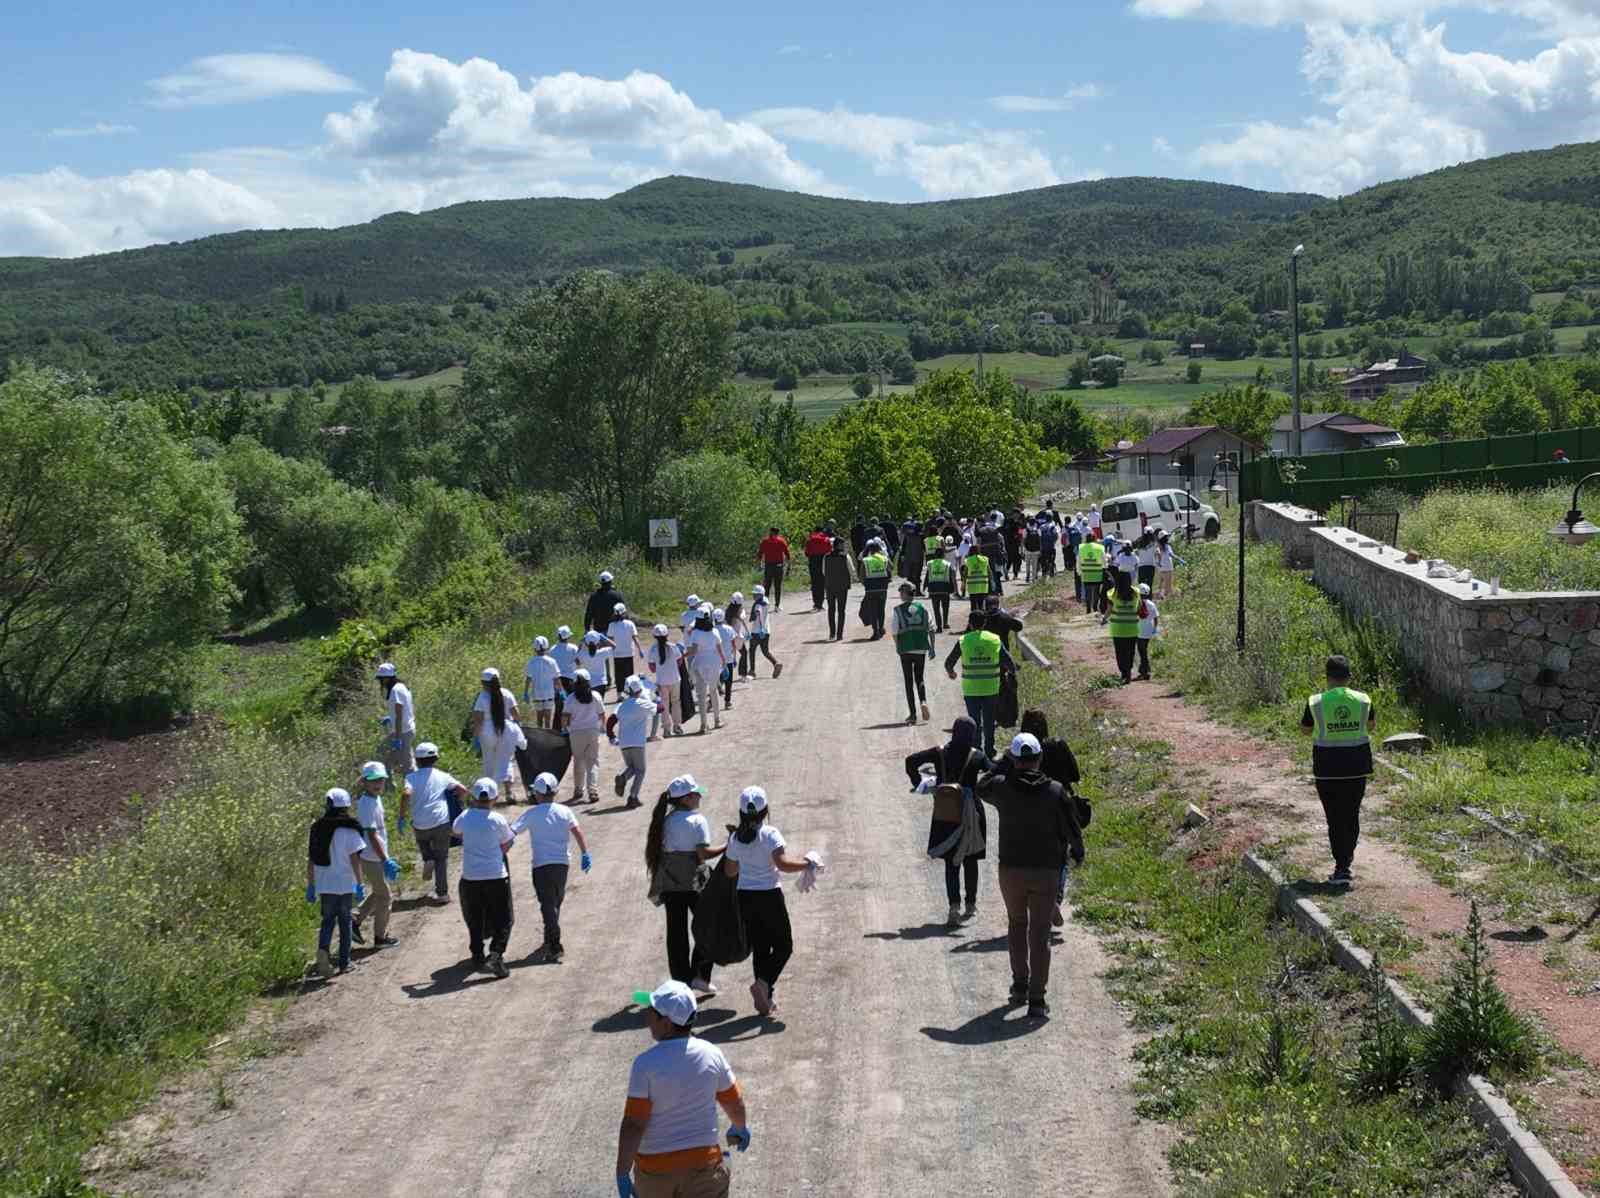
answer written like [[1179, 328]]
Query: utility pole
[[983, 345], [1294, 334]]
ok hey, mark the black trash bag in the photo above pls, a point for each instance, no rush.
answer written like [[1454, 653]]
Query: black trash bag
[[1006, 709], [453, 805], [718, 924], [686, 694], [547, 753]]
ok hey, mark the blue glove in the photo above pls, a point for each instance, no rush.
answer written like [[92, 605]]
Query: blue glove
[[386, 720], [391, 869], [584, 862], [477, 746], [361, 893], [625, 1187], [311, 892], [401, 826], [397, 743], [739, 1137]]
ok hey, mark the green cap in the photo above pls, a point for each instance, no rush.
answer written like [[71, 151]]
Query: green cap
[[641, 998]]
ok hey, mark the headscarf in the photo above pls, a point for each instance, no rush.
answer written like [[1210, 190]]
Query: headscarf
[[963, 739]]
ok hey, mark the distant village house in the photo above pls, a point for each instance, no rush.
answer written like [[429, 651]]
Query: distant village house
[[1403, 375], [1333, 432]]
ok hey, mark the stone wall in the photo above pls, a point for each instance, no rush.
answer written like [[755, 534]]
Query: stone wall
[[1286, 525]]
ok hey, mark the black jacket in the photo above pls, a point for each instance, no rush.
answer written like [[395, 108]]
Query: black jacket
[[1037, 826], [836, 574], [602, 608]]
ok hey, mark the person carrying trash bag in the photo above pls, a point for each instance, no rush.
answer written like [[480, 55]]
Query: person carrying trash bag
[[333, 872], [676, 850], [958, 833]]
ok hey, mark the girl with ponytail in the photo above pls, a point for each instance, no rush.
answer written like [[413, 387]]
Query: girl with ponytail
[[676, 846]]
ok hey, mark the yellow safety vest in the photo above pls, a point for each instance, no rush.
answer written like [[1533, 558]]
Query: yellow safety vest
[[1092, 561], [977, 574], [932, 545], [938, 570], [1124, 617], [1340, 715], [875, 565], [980, 664]]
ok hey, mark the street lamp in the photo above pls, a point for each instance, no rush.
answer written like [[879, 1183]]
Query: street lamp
[[983, 345], [1225, 466], [1574, 529], [1184, 469], [1294, 338]]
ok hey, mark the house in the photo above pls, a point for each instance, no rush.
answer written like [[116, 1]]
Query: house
[[1333, 432], [1042, 318], [1102, 359], [1178, 457], [1197, 349], [1403, 374]]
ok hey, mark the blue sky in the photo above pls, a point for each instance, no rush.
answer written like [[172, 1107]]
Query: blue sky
[[132, 124]]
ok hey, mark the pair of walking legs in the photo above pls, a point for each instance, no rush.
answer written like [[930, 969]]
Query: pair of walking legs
[[772, 579], [983, 710], [336, 910], [1341, 804], [766, 925], [550, 887], [762, 642], [941, 610], [913, 667], [1030, 898], [836, 602], [953, 876], [709, 697], [1125, 647], [585, 764], [683, 963], [632, 768], [433, 846], [486, 910]]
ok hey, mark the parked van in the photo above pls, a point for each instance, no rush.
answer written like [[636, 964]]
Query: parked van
[[1127, 516]]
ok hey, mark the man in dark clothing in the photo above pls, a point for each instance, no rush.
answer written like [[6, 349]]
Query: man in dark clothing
[[597, 616], [1341, 720], [911, 555], [992, 544], [818, 545], [836, 579], [1015, 530], [891, 536], [858, 541], [1000, 622], [1049, 534], [1038, 831]]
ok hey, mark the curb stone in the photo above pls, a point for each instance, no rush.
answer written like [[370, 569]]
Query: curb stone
[[1535, 1171], [1030, 652]]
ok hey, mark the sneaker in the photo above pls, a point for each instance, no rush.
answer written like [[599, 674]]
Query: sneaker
[[324, 966], [761, 996], [925, 716], [554, 955], [346, 968], [1340, 877], [633, 802], [719, 723], [497, 966], [385, 942], [479, 961], [594, 796], [912, 718], [441, 900], [355, 932], [1038, 1009], [953, 920], [427, 870], [702, 987], [619, 784], [1018, 994], [777, 669], [971, 911]]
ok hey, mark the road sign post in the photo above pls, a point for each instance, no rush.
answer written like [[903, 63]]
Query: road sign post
[[663, 534]]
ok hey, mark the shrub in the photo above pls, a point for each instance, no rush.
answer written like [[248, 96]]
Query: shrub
[[861, 386], [1191, 373], [1385, 1052], [1284, 1057], [448, 527], [1474, 1028], [723, 504]]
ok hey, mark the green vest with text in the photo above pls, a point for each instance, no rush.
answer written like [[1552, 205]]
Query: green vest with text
[[980, 664], [875, 569], [1092, 561], [913, 636], [977, 574], [1340, 715], [1124, 616], [938, 570], [931, 546]]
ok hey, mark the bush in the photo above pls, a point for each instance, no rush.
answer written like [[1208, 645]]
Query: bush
[[447, 527], [1191, 373], [861, 386], [1501, 534], [1474, 1029], [1385, 1054], [723, 504]]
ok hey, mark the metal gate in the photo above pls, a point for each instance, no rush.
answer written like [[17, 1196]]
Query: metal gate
[[1383, 527]]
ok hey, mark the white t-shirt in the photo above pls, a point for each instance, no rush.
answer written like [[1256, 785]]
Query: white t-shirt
[[1164, 560], [729, 636], [369, 814], [482, 704], [1147, 626], [1094, 520], [542, 673], [707, 662], [758, 618], [337, 877], [549, 827], [624, 633], [633, 721], [595, 663], [756, 870], [1146, 555], [687, 617], [684, 832], [428, 790], [482, 833], [681, 1078], [586, 717], [400, 696], [1126, 562], [566, 655], [666, 665]]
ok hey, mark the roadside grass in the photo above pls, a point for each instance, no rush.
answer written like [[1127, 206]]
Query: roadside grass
[[120, 965], [1501, 534], [1256, 1033]]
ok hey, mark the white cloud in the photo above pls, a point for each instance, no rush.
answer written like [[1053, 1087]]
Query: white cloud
[[238, 78], [1162, 148], [879, 138], [790, 49], [1067, 100], [98, 129], [1556, 17], [989, 165], [1402, 103]]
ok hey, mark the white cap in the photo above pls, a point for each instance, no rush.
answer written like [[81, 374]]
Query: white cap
[[563, 633], [619, 609], [606, 576], [583, 674], [1025, 744], [1144, 588], [486, 788], [546, 784], [703, 610], [674, 1001], [427, 749], [693, 600], [633, 685], [387, 670], [684, 785], [752, 800], [758, 591], [591, 637], [738, 597], [338, 797], [541, 643], [491, 674], [374, 771], [718, 615], [660, 630]]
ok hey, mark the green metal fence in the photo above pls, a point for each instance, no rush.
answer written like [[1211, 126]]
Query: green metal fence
[[1519, 462]]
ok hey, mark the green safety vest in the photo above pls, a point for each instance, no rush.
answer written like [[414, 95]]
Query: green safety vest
[[914, 638], [1092, 561], [1124, 617], [977, 574], [932, 545], [1341, 718], [875, 565], [938, 570], [980, 664]]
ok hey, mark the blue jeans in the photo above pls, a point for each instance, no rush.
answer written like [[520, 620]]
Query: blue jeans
[[982, 709], [336, 909]]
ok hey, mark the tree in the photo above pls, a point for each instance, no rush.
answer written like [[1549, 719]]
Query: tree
[[869, 457], [724, 506], [1248, 411], [1192, 372], [861, 386], [787, 379], [1439, 410]]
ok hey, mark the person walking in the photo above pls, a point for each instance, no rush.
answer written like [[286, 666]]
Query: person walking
[[733, 616], [494, 724], [1123, 610], [378, 868], [565, 654], [664, 659], [689, 614], [676, 847], [958, 833], [755, 856], [939, 582], [633, 716], [623, 634], [976, 577], [1049, 538], [911, 555], [425, 801], [913, 641], [542, 676], [875, 572], [399, 719], [1058, 763], [761, 632], [1037, 835], [333, 870], [485, 886], [593, 656], [773, 554], [602, 604], [1071, 542], [550, 825], [1030, 552], [585, 718], [1094, 521], [667, 1145], [1166, 564], [733, 650], [1092, 573], [1125, 561], [983, 658], [706, 658], [1341, 721], [837, 578], [1149, 629], [818, 545], [1144, 555], [858, 541]]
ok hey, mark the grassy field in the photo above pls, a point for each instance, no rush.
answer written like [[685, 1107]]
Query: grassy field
[[755, 253], [450, 376]]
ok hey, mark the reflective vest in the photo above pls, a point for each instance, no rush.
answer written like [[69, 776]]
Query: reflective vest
[[980, 663], [1092, 562], [977, 576], [913, 637], [875, 565], [932, 545], [1340, 715], [939, 571], [1124, 616]]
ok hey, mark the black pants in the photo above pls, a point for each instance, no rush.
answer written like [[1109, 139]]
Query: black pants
[[836, 602], [1144, 657], [814, 566], [772, 578], [766, 924], [727, 685], [941, 609], [913, 666], [952, 880], [550, 885], [1125, 647], [1341, 804], [682, 964], [877, 603], [621, 667], [1047, 561], [486, 909], [1091, 596], [1147, 575], [744, 660], [977, 601], [759, 642]]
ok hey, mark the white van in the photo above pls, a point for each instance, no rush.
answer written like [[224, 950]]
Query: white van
[[1127, 516]]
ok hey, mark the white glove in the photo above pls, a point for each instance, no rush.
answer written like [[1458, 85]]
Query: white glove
[[814, 866]]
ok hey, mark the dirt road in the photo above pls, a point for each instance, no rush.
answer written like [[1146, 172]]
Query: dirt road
[[895, 1068]]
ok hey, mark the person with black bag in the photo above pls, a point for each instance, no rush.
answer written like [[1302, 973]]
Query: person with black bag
[[1057, 762], [755, 856], [958, 832], [676, 848]]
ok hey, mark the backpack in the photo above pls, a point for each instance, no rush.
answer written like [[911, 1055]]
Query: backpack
[[1030, 542]]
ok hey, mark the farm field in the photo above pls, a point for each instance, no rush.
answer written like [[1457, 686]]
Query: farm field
[[450, 376]]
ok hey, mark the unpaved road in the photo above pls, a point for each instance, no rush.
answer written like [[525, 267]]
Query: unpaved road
[[895, 1068]]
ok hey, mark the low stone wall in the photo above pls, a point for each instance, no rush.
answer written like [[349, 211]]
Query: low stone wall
[[1286, 525]]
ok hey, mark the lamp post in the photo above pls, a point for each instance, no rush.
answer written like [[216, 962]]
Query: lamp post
[[1294, 340], [1573, 529], [1184, 470], [983, 345], [1225, 467]]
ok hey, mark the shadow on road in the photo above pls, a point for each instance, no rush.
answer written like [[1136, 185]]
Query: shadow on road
[[628, 1019], [992, 1027], [448, 980], [751, 1027], [881, 727], [412, 904], [995, 944], [1325, 889], [922, 931], [1531, 935]]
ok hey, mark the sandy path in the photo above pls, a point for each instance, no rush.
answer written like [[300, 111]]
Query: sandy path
[[893, 1070]]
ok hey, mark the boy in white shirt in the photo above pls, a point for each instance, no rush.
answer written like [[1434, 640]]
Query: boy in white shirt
[[632, 721], [485, 881], [761, 632], [400, 718], [543, 675], [566, 655], [377, 867], [549, 824], [333, 864], [623, 634], [1149, 629]]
